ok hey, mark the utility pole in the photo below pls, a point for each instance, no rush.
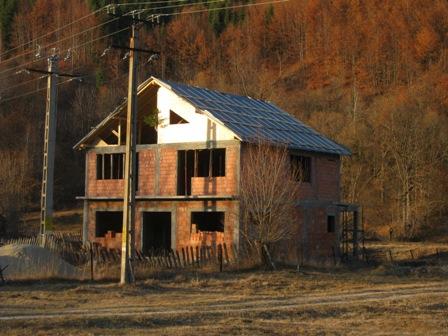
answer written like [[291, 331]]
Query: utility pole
[[127, 275], [46, 196], [46, 212], [128, 230]]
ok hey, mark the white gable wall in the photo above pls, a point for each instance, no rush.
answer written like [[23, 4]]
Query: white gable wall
[[199, 128]]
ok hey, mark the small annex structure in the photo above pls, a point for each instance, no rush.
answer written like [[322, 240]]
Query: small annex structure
[[189, 153]]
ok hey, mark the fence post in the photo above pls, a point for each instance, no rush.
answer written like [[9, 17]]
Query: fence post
[[220, 257], [173, 257], [412, 254], [226, 255], [334, 255], [390, 256], [198, 258], [366, 256], [192, 256], [91, 261], [183, 257]]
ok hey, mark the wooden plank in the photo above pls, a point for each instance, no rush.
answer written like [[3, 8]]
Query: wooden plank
[[183, 257], [198, 258], [226, 255], [220, 257], [192, 256], [178, 259]]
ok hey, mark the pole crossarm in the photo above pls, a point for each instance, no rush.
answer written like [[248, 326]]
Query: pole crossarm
[[59, 74], [133, 17], [148, 51]]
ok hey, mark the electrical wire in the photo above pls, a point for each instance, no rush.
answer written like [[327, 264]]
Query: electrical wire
[[61, 40], [222, 8], [2, 101], [127, 28], [177, 6], [96, 26], [64, 50], [88, 30], [52, 32], [23, 83], [146, 3]]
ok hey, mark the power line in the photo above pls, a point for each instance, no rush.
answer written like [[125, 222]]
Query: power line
[[49, 33], [60, 40], [82, 45], [94, 27], [81, 19], [33, 92], [173, 6], [147, 3], [23, 83], [127, 28], [88, 30], [64, 50], [112, 80], [222, 8]]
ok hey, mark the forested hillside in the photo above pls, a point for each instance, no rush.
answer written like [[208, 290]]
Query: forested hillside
[[371, 74]]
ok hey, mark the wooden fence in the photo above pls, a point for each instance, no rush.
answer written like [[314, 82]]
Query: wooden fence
[[410, 255], [70, 248]]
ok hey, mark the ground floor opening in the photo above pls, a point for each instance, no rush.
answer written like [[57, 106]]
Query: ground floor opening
[[156, 231]]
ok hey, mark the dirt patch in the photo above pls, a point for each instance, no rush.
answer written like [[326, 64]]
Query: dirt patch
[[34, 262]]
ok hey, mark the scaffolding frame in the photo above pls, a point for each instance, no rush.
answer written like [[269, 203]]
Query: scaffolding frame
[[352, 232]]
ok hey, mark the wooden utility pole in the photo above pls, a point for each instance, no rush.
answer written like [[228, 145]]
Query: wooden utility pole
[[127, 244], [130, 178], [46, 215]]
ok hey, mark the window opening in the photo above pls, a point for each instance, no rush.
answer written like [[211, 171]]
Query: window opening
[[301, 167], [176, 119], [331, 224], [198, 163], [208, 221], [108, 221], [110, 166]]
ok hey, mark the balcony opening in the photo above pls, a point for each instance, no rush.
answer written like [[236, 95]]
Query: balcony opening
[[198, 163]]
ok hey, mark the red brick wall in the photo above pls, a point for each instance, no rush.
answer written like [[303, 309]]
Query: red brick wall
[[312, 243], [95, 188], [325, 180], [324, 187], [182, 221], [167, 182], [147, 172], [213, 186], [328, 178], [111, 241], [168, 171], [319, 243]]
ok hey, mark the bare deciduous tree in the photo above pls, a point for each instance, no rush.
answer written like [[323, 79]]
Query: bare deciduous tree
[[268, 196], [14, 180]]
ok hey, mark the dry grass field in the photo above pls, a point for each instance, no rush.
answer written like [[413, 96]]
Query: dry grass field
[[386, 300]]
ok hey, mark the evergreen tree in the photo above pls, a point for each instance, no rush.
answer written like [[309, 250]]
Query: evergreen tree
[[7, 11]]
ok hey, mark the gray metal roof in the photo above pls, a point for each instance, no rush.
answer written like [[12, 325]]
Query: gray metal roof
[[252, 119]]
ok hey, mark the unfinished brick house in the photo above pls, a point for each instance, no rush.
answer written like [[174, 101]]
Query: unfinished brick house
[[189, 170]]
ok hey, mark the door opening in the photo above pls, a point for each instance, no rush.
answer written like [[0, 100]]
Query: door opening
[[156, 232]]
